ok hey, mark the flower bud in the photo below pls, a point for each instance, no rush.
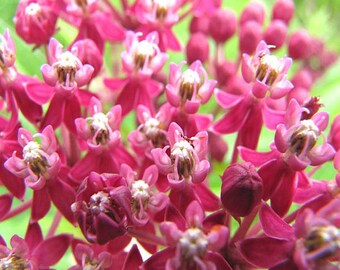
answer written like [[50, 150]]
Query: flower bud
[[276, 33], [197, 48], [224, 71], [35, 20], [199, 24], [334, 135], [225, 20], [250, 36], [253, 12], [299, 46], [283, 10], [242, 189]]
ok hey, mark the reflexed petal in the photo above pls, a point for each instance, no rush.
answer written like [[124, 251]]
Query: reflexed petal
[[273, 226]]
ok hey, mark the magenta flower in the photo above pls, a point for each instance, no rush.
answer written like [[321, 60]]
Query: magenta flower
[[33, 252], [141, 60], [187, 161], [103, 207], [35, 20], [160, 16], [40, 166], [313, 242], [152, 131], [65, 71], [190, 88], [146, 201], [190, 244], [39, 161], [297, 138], [105, 151], [12, 83], [267, 72], [93, 22]]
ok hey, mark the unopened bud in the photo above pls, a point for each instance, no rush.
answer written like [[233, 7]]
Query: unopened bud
[[242, 189], [197, 48], [299, 46], [283, 10], [276, 33], [250, 36], [222, 25]]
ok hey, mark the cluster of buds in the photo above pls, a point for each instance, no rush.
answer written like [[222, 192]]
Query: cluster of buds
[[122, 138]]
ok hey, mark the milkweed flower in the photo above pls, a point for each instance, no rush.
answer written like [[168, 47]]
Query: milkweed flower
[[267, 72], [187, 160], [190, 88]]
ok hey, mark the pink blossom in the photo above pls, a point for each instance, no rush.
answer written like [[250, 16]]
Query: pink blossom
[[187, 161], [190, 246], [297, 138], [65, 71], [33, 252], [190, 88], [146, 200], [152, 131], [35, 20], [142, 57], [102, 207], [267, 72]]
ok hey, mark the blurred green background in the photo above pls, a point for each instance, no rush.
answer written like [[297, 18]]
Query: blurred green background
[[319, 17]]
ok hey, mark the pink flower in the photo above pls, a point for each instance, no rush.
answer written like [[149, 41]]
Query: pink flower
[[103, 207], [191, 245], [190, 88], [40, 166], [105, 150], [146, 201], [142, 57], [65, 71], [267, 72], [35, 20], [152, 131], [297, 138], [187, 161], [39, 161], [7, 53], [312, 243], [33, 252]]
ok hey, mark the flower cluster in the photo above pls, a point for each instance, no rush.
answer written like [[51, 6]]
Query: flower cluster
[[130, 148]]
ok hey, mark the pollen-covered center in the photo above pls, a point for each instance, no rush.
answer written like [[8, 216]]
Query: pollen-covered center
[[190, 82], [304, 137], [323, 241], [14, 262], [268, 69], [153, 131], [100, 128], [66, 68], [183, 153], [99, 202], [145, 51], [140, 190], [33, 9], [193, 243], [35, 159]]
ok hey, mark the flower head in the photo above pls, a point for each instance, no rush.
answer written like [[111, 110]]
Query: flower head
[[190, 88], [142, 57], [187, 157], [65, 70], [7, 53], [267, 72], [297, 138], [39, 161], [35, 20]]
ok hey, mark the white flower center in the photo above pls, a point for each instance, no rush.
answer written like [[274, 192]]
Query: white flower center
[[31, 151], [268, 69], [182, 149], [140, 190], [151, 127], [33, 9], [193, 243], [100, 121], [190, 77], [68, 60], [99, 202]]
